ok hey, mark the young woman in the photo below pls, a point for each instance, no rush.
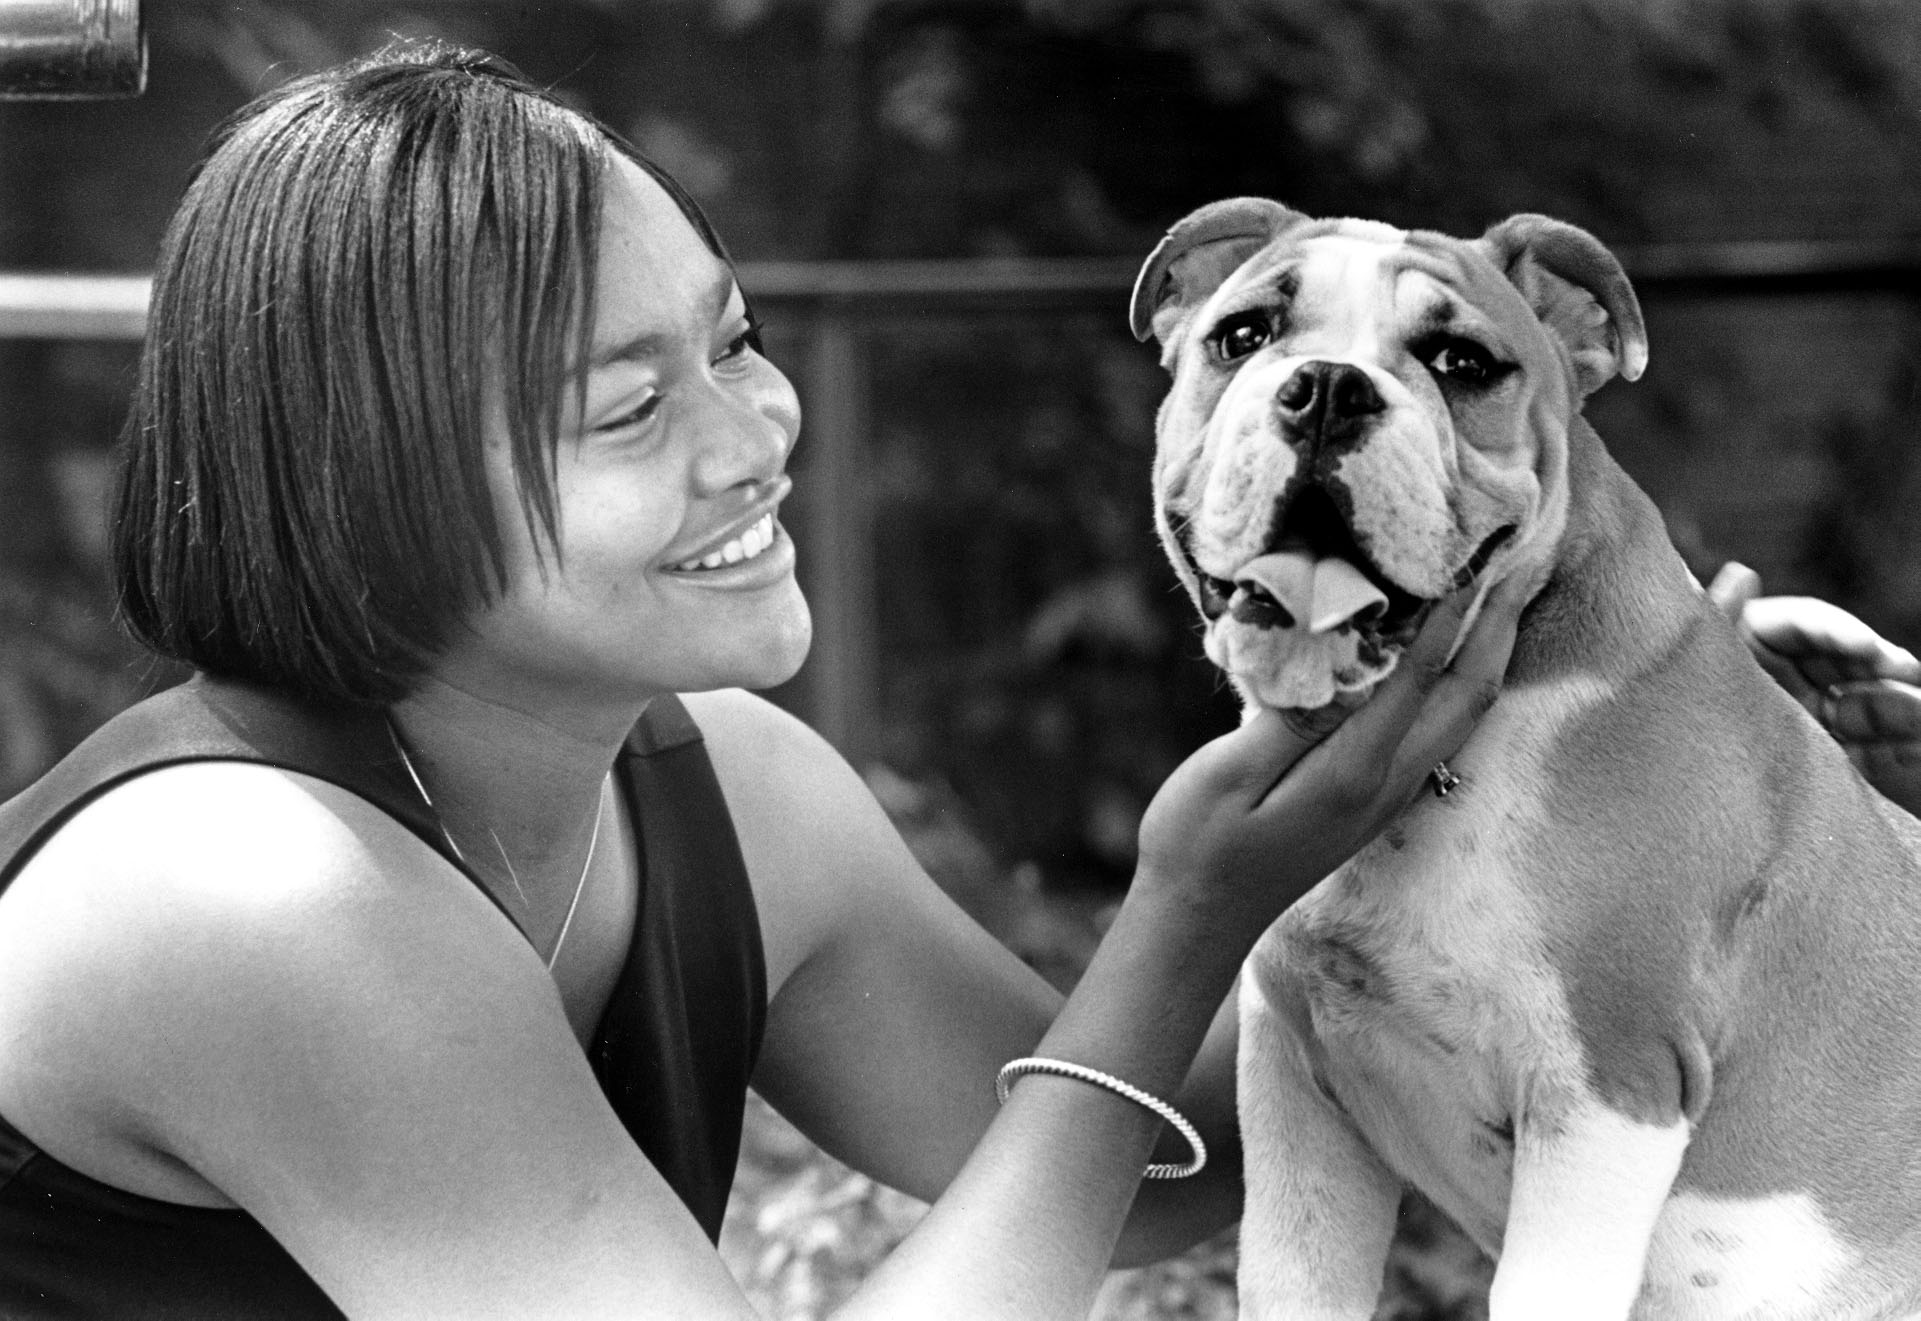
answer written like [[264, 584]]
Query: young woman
[[415, 957]]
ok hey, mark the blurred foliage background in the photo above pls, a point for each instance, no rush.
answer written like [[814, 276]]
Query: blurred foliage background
[[1038, 672]]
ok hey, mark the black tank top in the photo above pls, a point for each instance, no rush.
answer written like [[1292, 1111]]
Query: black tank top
[[673, 1052]]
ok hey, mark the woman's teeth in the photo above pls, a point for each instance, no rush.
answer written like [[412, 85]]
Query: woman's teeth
[[743, 547]]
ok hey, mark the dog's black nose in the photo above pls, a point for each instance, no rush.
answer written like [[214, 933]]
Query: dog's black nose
[[1326, 401]]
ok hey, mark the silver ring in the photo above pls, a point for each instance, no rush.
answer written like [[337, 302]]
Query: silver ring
[[1445, 781]]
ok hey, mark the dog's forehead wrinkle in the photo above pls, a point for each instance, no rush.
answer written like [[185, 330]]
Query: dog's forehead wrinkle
[[1467, 277], [1264, 272], [1431, 312], [1447, 260], [1270, 287], [1427, 297], [1343, 291], [1435, 309], [1433, 282]]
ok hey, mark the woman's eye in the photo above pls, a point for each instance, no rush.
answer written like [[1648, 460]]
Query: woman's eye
[[748, 338], [1238, 336], [632, 417], [1464, 362]]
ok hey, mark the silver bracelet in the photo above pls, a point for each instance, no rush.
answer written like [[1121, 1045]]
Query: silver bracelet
[[1040, 1064]]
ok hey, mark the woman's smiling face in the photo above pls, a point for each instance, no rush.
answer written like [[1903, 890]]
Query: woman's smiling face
[[673, 573]]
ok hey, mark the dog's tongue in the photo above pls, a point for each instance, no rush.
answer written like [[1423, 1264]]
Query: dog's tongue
[[1324, 593]]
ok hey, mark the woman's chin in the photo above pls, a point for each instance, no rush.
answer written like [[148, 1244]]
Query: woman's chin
[[777, 657]]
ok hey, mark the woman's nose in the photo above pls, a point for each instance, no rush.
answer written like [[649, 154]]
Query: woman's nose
[[754, 432]]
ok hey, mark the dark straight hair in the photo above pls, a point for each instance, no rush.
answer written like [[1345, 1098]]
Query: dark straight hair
[[366, 261]]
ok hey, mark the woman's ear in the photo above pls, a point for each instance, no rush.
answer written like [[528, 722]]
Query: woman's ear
[[1197, 255], [1578, 290]]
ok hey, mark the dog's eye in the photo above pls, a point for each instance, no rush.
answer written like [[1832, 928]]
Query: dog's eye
[[1463, 362], [1240, 335]]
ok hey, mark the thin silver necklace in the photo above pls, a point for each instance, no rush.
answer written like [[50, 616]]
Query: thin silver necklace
[[580, 886]]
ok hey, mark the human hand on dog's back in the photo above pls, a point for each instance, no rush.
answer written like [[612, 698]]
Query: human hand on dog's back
[[1863, 689], [1256, 818]]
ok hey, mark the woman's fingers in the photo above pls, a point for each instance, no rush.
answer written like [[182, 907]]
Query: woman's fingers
[[1811, 648], [1260, 815], [1875, 711], [1266, 748], [1425, 710], [1863, 688], [1254, 757], [1445, 675], [1893, 767], [1733, 587], [1826, 643], [1372, 733], [1220, 783], [1466, 689]]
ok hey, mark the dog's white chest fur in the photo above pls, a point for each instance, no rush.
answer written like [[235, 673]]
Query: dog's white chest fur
[[1437, 1013], [1412, 988]]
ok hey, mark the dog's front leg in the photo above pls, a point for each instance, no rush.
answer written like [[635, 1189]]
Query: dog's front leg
[[1320, 1204], [1588, 1187]]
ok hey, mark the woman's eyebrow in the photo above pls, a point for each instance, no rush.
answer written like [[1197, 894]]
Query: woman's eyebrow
[[649, 343]]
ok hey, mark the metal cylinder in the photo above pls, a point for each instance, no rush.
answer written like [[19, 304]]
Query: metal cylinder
[[71, 49]]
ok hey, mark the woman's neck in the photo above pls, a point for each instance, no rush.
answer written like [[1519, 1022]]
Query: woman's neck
[[517, 792]]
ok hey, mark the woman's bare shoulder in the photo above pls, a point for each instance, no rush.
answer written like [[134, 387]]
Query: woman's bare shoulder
[[781, 777], [196, 850], [822, 854], [733, 721], [192, 913]]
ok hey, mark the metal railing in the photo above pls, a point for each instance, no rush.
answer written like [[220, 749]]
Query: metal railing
[[68, 306], [834, 302]]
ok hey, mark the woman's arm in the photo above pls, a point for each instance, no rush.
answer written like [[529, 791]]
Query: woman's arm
[[893, 1012], [263, 979], [1238, 832], [891, 1008]]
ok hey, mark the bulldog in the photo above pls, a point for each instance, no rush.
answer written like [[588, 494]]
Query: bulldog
[[1637, 999]]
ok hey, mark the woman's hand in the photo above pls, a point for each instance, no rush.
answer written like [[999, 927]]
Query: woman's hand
[[1865, 690], [1259, 816]]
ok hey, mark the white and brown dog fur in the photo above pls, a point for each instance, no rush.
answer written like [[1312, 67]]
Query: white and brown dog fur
[[1639, 1002]]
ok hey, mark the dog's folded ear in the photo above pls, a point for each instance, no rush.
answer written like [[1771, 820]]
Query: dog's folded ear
[[1578, 290], [1198, 253]]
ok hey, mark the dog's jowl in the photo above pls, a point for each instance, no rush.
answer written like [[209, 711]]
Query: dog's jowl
[[1638, 1002]]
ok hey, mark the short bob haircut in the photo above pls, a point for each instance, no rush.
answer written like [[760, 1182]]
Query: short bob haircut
[[365, 261]]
